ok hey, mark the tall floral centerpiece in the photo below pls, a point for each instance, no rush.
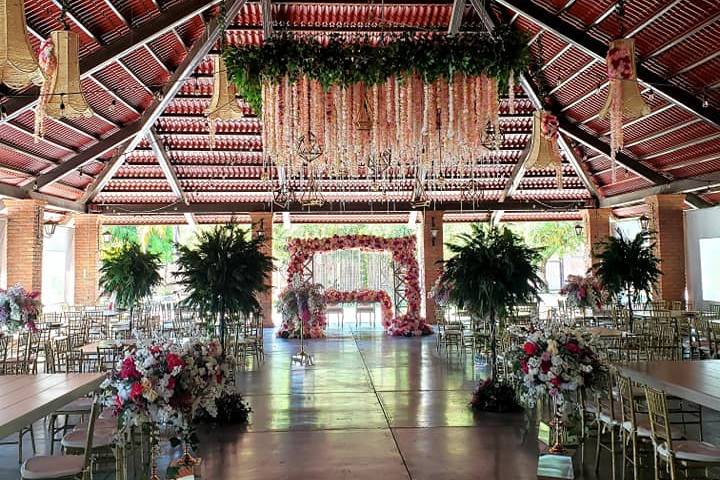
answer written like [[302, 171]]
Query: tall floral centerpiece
[[584, 292], [302, 302], [168, 385], [223, 273], [18, 309], [555, 364], [491, 272]]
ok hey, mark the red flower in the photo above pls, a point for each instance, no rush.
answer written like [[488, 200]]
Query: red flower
[[556, 381], [523, 366], [530, 348], [136, 390], [171, 383], [118, 403], [572, 347], [545, 366], [128, 369], [174, 360]]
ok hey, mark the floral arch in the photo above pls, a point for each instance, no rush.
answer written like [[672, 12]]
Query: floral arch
[[406, 268]]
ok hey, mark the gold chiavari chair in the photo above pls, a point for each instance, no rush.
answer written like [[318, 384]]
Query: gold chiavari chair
[[609, 421], [678, 456]]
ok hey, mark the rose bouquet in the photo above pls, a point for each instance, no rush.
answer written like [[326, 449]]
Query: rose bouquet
[[306, 301], [19, 308], [584, 292], [555, 364], [168, 384]]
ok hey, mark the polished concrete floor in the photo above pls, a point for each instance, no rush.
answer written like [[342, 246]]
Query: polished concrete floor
[[372, 407]]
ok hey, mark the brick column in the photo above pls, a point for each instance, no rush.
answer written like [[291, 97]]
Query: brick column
[[668, 225], [25, 243], [432, 254], [87, 258], [262, 222], [596, 224]]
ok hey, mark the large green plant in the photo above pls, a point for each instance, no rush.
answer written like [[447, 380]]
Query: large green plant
[[223, 272], [491, 272], [627, 267], [130, 274]]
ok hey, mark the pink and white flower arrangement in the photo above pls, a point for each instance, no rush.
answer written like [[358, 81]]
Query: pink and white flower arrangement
[[365, 296], [555, 364], [403, 251], [18, 308], [584, 292], [167, 384], [302, 301]]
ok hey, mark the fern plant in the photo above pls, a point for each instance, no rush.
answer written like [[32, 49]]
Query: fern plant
[[223, 273], [491, 272], [627, 267], [129, 274]]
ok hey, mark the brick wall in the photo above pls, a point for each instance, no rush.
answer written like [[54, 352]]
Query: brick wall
[[432, 253], [668, 224], [596, 225], [25, 243], [87, 258], [263, 222]]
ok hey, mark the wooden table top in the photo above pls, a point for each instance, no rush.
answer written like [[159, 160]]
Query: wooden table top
[[697, 381], [92, 347], [27, 398], [607, 332]]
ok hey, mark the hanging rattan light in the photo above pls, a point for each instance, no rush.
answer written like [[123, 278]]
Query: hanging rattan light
[[61, 95], [223, 105], [18, 64], [624, 99], [543, 151]]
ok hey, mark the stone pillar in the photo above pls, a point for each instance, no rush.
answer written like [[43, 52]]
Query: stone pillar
[[87, 258], [263, 223], [667, 224], [25, 233], [432, 255], [596, 225]]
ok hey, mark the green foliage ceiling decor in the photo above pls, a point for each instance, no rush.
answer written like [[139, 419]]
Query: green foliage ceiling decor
[[129, 273], [344, 62]]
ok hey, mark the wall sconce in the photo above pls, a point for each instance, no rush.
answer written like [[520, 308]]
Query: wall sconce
[[578, 229], [260, 231], [49, 228], [107, 236], [433, 235], [644, 223]]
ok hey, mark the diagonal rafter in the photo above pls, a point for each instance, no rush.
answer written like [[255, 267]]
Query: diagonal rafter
[[199, 50], [167, 168], [154, 28], [597, 51], [456, 17]]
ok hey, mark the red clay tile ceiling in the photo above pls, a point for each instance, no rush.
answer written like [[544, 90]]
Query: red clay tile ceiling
[[678, 41]]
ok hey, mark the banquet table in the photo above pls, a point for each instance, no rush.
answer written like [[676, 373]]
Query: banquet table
[[91, 348], [25, 399], [607, 332], [697, 381]]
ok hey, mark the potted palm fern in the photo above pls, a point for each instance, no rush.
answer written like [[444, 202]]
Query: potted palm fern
[[491, 272], [223, 273], [129, 274], [627, 267]]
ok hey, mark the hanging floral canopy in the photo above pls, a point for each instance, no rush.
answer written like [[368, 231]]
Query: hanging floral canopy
[[345, 108]]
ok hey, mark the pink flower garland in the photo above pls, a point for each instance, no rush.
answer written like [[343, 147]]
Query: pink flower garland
[[403, 254], [380, 296], [619, 68]]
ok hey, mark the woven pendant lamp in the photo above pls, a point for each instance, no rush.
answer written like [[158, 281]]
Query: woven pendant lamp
[[18, 64], [542, 150], [61, 95], [223, 105], [624, 99]]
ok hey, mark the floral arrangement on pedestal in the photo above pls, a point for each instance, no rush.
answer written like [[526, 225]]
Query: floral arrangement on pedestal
[[402, 250], [584, 292], [19, 308], [555, 363], [169, 384], [304, 301], [380, 296]]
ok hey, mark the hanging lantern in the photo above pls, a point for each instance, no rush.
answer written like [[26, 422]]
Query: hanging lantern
[[223, 105], [18, 65], [624, 98], [543, 151], [61, 95]]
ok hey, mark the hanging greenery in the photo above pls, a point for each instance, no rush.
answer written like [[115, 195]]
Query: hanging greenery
[[341, 62]]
